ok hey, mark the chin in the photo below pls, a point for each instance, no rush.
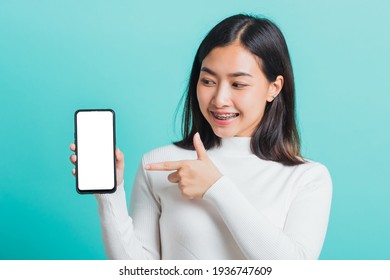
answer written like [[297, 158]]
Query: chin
[[223, 133]]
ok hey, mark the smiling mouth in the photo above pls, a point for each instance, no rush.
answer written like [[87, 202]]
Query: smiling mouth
[[225, 116]]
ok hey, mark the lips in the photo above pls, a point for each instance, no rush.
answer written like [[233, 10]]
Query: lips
[[224, 116]]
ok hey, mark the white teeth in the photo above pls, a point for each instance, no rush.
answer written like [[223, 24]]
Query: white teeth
[[225, 116]]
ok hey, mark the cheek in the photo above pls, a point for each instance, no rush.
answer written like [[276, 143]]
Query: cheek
[[252, 105], [252, 101], [202, 97]]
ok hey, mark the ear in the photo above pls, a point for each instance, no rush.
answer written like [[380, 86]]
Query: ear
[[275, 88]]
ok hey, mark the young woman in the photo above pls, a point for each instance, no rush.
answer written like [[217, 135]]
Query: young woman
[[236, 185]]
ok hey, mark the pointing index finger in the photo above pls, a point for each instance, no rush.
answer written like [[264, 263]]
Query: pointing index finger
[[166, 165]]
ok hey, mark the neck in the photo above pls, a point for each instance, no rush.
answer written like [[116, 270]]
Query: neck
[[236, 145]]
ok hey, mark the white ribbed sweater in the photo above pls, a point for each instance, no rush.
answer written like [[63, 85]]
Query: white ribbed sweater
[[258, 210]]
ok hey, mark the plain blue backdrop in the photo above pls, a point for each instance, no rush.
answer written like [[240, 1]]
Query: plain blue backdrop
[[135, 57]]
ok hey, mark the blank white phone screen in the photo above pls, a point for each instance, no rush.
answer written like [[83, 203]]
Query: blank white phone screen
[[95, 150]]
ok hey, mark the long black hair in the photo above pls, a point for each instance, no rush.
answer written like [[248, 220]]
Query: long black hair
[[276, 137]]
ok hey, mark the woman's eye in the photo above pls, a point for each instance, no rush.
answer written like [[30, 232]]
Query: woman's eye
[[207, 82], [239, 85]]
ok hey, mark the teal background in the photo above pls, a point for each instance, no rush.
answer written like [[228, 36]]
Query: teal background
[[135, 57]]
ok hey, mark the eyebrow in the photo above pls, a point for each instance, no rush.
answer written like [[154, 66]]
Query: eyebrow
[[236, 74]]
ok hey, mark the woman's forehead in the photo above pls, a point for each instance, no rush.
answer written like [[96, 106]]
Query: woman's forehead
[[230, 60]]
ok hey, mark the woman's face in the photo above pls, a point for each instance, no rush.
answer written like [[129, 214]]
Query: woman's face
[[232, 91]]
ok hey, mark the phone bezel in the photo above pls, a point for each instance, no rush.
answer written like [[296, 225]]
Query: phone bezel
[[99, 191]]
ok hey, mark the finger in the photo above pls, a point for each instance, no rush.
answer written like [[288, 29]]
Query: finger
[[199, 147], [74, 172], [73, 147], [120, 158], [73, 158], [174, 177], [167, 165], [118, 154]]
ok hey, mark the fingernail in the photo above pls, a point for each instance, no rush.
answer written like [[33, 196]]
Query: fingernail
[[147, 166]]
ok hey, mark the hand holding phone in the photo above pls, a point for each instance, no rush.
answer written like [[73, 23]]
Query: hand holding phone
[[95, 151]]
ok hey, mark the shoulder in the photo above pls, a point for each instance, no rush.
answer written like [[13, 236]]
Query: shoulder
[[168, 153], [313, 174], [311, 167]]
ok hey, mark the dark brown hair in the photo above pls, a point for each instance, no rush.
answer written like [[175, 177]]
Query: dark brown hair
[[276, 137]]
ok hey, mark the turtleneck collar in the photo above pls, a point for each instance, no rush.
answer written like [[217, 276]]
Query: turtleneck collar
[[236, 145]]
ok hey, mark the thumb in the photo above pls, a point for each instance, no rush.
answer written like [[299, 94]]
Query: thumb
[[199, 147], [119, 158]]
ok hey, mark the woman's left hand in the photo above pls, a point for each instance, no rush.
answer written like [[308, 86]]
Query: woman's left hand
[[194, 177]]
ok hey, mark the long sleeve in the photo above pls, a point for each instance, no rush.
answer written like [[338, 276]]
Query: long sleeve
[[259, 210], [305, 226], [135, 236]]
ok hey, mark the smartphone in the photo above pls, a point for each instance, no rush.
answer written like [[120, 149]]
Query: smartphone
[[95, 150]]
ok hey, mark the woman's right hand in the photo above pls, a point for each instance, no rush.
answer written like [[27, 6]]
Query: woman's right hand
[[120, 163]]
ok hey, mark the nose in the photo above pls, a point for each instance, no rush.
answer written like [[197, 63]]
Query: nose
[[221, 96]]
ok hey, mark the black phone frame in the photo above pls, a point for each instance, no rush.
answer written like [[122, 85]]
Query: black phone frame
[[100, 191]]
